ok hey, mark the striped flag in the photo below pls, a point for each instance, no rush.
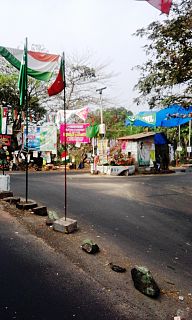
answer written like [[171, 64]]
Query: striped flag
[[39, 65]]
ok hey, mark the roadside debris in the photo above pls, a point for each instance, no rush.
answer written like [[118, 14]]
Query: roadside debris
[[144, 282], [52, 216], [181, 298], [182, 314], [117, 268], [89, 246]]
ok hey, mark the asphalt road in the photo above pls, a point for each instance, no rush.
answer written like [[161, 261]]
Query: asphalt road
[[37, 283], [148, 217]]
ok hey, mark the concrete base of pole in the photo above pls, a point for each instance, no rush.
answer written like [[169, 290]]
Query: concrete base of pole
[[26, 206], [12, 200], [65, 226], [5, 194], [40, 211], [4, 183]]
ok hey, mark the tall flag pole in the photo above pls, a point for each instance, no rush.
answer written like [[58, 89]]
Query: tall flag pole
[[58, 86], [65, 125], [27, 120], [23, 88]]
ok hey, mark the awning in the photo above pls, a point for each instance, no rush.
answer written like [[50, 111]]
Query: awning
[[172, 116]]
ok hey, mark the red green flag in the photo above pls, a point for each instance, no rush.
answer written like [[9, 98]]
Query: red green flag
[[58, 85]]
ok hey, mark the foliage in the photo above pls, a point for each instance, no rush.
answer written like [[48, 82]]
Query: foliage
[[114, 119], [82, 80], [8, 90], [166, 77], [9, 93]]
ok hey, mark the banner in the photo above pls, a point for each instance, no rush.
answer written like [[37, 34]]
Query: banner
[[81, 113], [74, 133], [4, 120], [33, 138], [102, 149], [42, 138], [48, 139]]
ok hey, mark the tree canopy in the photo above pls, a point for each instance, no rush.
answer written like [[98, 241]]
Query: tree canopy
[[166, 77], [114, 119]]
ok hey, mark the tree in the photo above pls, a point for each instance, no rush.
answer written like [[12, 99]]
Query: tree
[[9, 97], [114, 119], [166, 77], [82, 80]]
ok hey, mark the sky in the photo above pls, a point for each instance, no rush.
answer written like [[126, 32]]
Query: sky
[[104, 28]]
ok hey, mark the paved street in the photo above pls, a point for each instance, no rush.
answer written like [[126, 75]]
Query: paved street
[[36, 283], [136, 220], [148, 217]]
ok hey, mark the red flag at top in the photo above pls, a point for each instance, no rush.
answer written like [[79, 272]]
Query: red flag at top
[[58, 85], [163, 5]]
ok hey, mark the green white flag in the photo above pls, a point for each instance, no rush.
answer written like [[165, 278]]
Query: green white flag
[[22, 83], [40, 65]]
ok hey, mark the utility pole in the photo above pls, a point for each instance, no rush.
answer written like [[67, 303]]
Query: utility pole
[[102, 125], [101, 106]]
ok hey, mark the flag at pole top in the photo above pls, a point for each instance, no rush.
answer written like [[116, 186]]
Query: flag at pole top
[[40, 65], [163, 5], [58, 85]]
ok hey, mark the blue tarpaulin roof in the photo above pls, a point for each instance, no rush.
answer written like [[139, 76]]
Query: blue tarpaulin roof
[[172, 116]]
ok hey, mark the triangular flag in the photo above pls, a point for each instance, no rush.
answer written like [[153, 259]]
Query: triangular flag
[[58, 84], [163, 5]]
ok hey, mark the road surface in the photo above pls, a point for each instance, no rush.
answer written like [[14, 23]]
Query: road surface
[[149, 218]]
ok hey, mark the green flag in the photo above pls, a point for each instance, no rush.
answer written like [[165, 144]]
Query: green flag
[[22, 83], [92, 131]]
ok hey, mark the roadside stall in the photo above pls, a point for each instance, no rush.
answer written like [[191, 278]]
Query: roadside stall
[[146, 148]]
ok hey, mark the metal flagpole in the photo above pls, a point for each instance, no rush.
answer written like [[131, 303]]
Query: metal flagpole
[[65, 144], [27, 116], [189, 153], [102, 130]]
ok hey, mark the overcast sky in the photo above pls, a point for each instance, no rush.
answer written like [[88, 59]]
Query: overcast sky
[[102, 27]]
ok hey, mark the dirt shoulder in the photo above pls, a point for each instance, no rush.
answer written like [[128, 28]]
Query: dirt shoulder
[[129, 302]]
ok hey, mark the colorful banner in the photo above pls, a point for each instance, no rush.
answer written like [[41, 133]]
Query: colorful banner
[[42, 138], [48, 139], [102, 150], [4, 120], [146, 117], [33, 138], [82, 113], [74, 133]]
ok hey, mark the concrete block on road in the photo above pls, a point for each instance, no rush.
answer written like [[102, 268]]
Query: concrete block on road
[[65, 226], [5, 182], [40, 211], [12, 200], [5, 194], [26, 206]]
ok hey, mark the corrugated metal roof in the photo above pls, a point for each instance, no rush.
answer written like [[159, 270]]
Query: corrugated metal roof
[[137, 136]]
